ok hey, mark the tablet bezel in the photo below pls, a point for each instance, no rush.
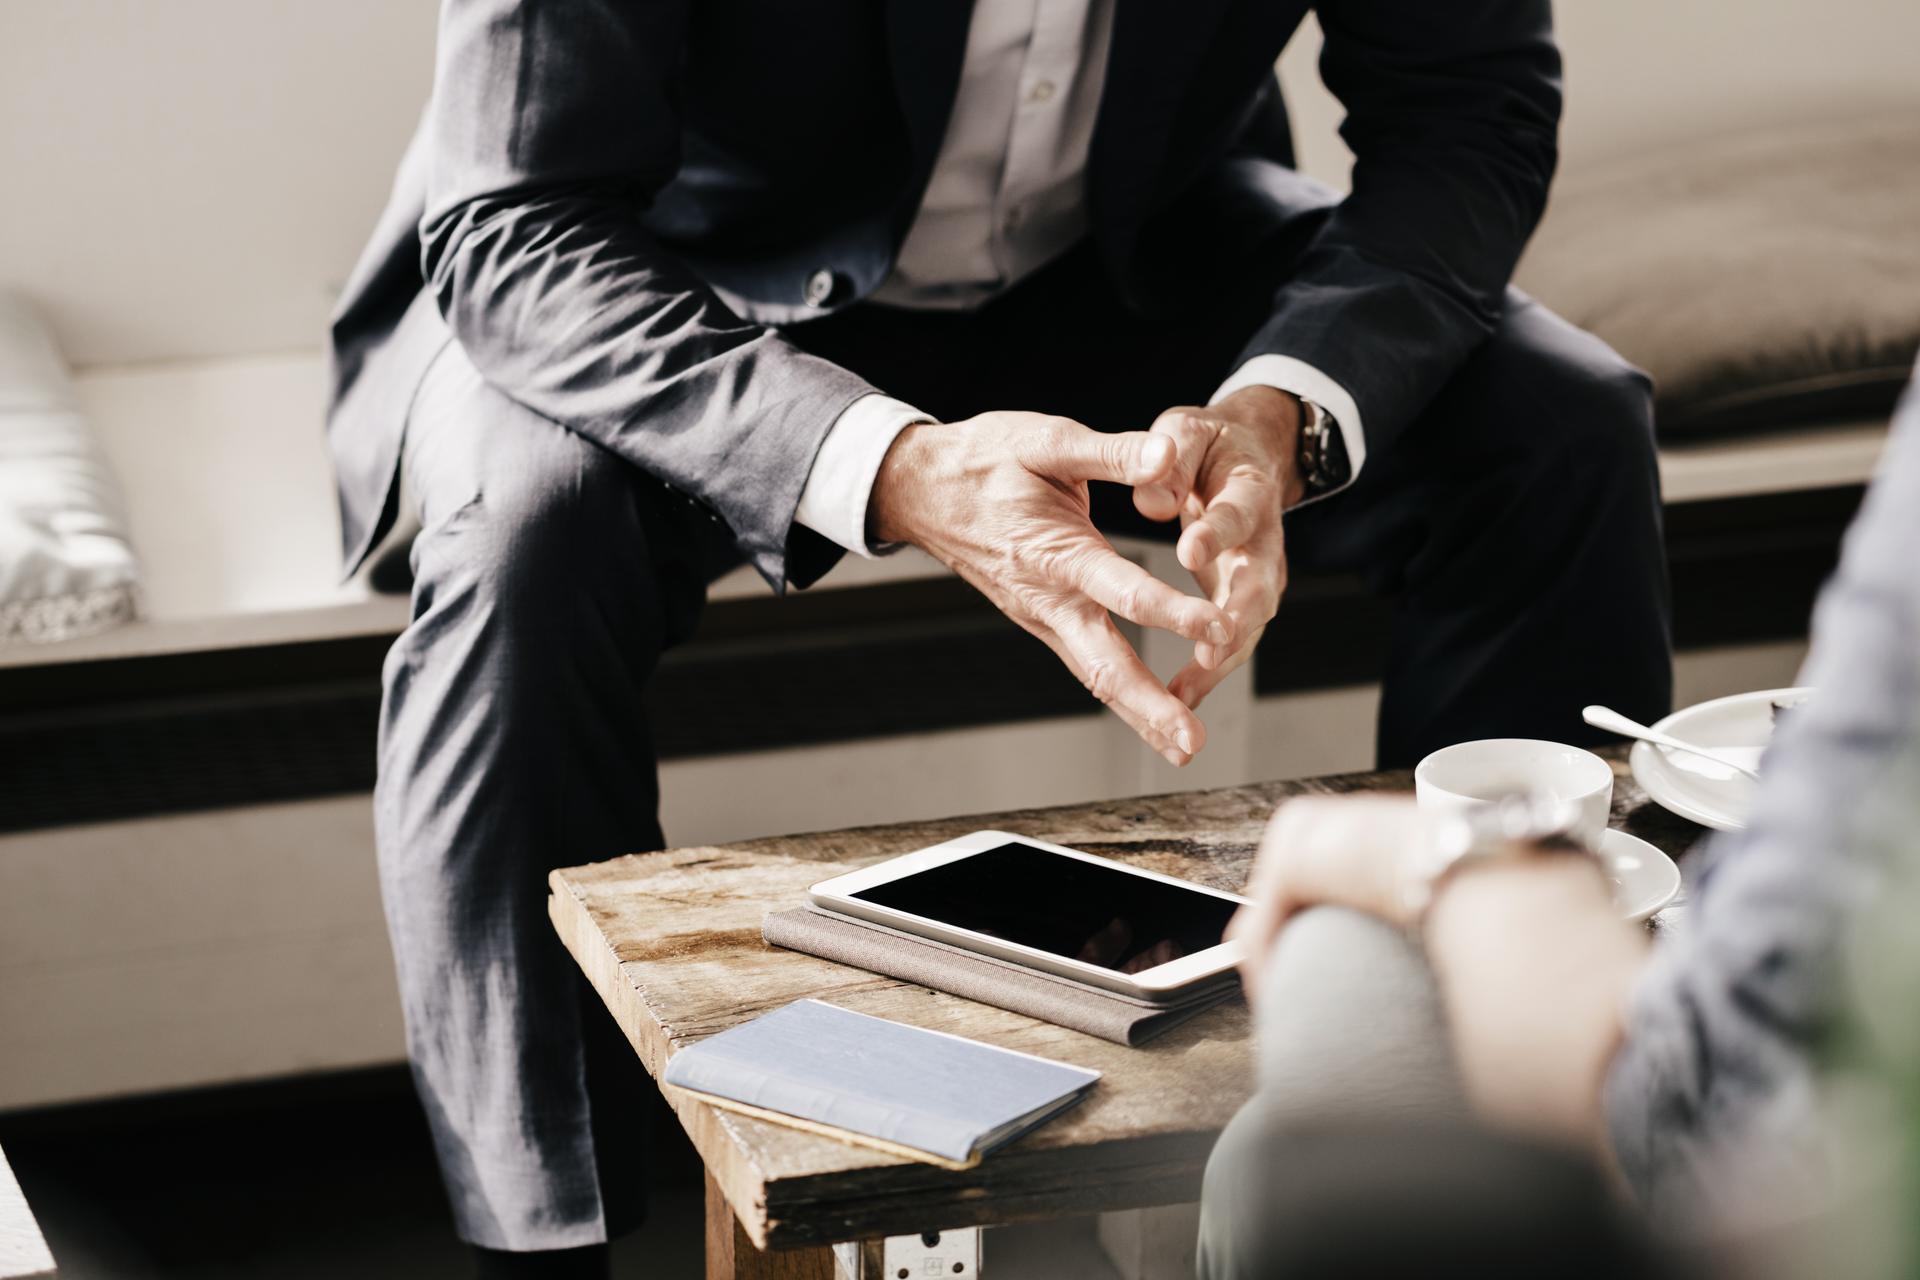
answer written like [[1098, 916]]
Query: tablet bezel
[[1157, 984]]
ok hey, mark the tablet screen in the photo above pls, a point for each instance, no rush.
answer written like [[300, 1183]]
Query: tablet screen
[[1080, 910]]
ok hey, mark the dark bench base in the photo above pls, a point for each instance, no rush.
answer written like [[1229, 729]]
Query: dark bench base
[[122, 738]]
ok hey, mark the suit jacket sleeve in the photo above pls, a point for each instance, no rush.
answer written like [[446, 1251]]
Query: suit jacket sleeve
[[553, 124], [1452, 114]]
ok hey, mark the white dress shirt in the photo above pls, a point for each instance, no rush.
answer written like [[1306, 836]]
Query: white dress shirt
[[1007, 196]]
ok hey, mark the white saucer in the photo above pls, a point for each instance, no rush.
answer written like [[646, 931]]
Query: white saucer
[[1700, 790], [1644, 879]]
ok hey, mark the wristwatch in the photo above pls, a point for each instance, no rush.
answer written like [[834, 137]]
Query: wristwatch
[[1519, 825], [1324, 465]]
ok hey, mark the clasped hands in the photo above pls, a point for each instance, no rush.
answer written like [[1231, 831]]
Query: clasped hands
[[1002, 500]]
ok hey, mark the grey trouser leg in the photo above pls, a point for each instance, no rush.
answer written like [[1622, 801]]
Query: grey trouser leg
[[1349, 1026], [514, 739]]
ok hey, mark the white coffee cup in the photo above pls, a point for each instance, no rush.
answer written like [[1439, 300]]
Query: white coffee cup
[[1469, 775]]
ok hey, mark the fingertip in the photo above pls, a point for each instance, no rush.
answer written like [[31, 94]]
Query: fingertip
[[1156, 455], [1194, 548], [1155, 502], [1199, 621]]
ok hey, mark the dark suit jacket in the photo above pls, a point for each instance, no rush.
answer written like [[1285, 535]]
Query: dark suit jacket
[[610, 203]]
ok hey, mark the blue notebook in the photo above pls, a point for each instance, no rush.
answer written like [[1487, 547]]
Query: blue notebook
[[921, 1094]]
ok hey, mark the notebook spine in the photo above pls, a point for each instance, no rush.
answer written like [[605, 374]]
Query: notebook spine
[[756, 1086]]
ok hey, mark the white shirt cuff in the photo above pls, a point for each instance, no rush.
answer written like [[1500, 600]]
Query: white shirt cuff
[[1303, 380], [834, 502]]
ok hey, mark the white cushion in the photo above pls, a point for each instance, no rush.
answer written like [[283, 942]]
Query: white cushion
[[66, 567]]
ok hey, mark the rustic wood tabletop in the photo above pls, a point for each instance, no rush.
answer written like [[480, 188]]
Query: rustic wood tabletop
[[671, 941]]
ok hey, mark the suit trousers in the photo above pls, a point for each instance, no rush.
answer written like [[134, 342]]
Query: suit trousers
[[1515, 527]]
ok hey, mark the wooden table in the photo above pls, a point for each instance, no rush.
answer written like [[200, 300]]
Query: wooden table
[[671, 941]]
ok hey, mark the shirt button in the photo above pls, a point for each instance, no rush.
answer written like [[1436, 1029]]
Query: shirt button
[[1041, 91], [821, 286]]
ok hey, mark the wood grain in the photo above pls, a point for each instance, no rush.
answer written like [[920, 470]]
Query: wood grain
[[732, 1256], [23, 1251], [671, 941]]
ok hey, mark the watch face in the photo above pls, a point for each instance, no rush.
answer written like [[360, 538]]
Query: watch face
[[1530, 818], [1323, 451]]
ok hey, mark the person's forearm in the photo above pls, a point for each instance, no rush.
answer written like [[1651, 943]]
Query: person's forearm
[[566, 306], [1534, 965]]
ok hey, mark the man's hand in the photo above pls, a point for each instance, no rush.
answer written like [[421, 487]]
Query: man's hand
[[1236, 473], [1002, 500]]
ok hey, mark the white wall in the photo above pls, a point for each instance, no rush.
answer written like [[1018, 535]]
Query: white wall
[[1640, 69], [194, 177]]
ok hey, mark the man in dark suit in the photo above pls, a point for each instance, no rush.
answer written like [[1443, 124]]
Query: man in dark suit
[[665, 285]]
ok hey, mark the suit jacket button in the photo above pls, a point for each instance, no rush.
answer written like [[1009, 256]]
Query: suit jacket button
[[822, 285]]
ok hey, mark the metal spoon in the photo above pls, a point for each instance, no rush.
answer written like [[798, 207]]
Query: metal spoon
[[1613, 722]]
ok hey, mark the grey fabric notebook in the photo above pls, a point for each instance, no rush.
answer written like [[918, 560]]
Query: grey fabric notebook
[[923, 1094]]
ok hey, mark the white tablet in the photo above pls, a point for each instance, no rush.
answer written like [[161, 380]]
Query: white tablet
[[1051, 908]]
